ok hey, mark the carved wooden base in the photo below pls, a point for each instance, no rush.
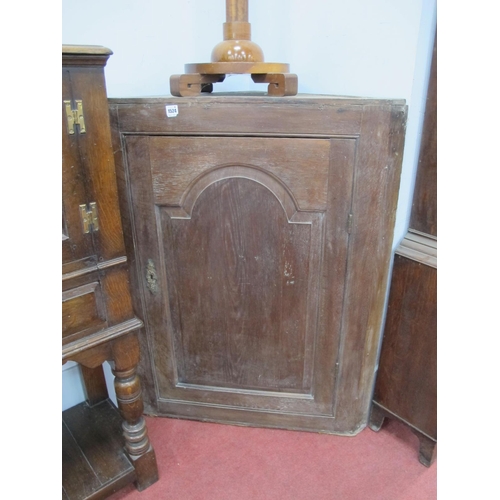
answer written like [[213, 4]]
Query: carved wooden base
[[192, 84], [428, 446], [146, 469]]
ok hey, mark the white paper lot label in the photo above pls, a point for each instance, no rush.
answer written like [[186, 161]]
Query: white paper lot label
[[172, 110]]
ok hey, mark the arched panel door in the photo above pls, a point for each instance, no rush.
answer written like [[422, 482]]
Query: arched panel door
[[242, 277], [241, 249]]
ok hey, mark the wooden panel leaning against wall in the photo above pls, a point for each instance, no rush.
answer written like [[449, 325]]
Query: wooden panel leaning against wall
[[103, 449], [406, 386], [259, 232]]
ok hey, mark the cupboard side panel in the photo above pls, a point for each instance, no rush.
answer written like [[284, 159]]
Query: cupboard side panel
[[375, 194]]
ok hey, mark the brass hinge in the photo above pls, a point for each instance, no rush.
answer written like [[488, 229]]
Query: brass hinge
[[75, 116], [89, 217]]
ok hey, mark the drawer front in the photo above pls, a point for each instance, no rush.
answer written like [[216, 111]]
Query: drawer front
[[83, 312]]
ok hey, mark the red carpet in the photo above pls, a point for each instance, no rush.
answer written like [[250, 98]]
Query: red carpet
[[204, 461]]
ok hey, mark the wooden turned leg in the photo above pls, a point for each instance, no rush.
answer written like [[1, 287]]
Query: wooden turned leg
[[129, 398], [280, 84], [427, 451], [193, 84], [377, 417]]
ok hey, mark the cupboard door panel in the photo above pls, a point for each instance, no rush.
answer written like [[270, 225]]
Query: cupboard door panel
[[242, 288], [76, 245], [241, 248]]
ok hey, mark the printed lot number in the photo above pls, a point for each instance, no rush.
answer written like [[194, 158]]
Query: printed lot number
[[172, 110]]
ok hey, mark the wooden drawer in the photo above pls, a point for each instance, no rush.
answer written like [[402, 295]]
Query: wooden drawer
[[83, 312]]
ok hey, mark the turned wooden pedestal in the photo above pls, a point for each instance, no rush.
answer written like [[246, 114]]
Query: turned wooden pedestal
[[236, 54]]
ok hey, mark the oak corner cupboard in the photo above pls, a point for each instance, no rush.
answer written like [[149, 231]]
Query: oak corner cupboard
[[103, 447], [259, 232]]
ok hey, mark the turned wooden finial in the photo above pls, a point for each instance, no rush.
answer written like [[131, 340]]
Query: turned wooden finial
[[237, 45], [236, 54]]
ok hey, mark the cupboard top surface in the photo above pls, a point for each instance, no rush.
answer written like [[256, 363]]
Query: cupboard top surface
[[301, 115], [85, 55], [260, 98], [86, 49]]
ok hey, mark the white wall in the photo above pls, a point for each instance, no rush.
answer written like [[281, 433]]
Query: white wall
[[369, 48]]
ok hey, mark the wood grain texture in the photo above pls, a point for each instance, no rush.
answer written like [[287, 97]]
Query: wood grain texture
[[406, 386], [237, 10], [81, 480], [77, 245], [97, 312], [96, 158], [419, 248], [93, 162], [424, 209], [406, 380], [83, 311], [375, 193], [302, 165], [207, 210], [90, 356], [239, 275], [96, 390], [89, 176], [145, 368], [97, 432], [94, 464], [146, 225], [427, 451], [256, 116], [82, 348]]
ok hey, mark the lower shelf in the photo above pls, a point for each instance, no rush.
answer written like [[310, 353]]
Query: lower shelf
[[94, 464]]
